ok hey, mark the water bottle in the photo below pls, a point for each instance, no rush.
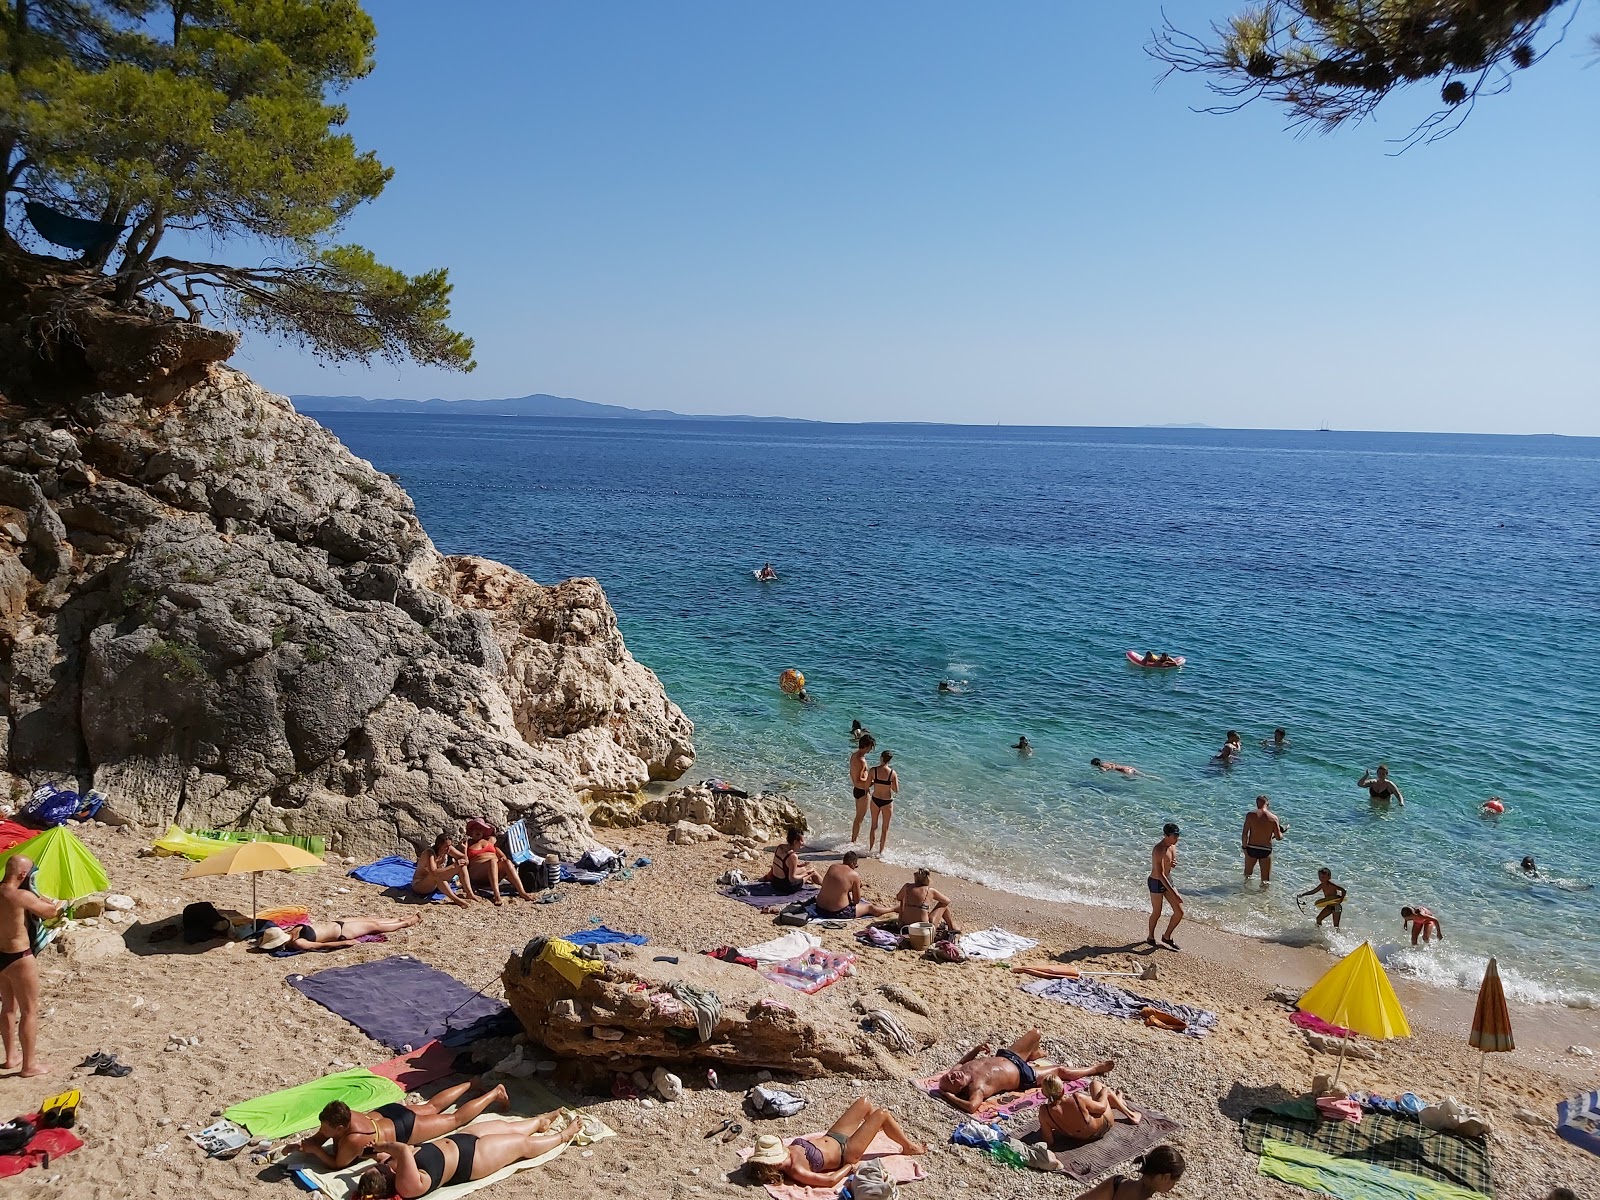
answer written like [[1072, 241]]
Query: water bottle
[[711, 1079]]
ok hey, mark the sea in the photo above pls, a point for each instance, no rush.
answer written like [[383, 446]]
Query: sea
[[1427, 601]]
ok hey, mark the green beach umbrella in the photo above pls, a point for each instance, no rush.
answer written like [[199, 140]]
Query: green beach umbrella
[[67, 868]]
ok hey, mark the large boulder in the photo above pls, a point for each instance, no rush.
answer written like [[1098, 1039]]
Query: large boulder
[[218, 615], [628, 1017], [763, 817]]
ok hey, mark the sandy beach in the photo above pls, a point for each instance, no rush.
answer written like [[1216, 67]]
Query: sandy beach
[[110, 989]]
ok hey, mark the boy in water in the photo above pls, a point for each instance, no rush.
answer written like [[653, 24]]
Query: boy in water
[[1330, 891]]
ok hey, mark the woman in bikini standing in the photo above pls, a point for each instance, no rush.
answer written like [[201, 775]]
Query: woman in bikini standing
[[860, 779], [883, 784]]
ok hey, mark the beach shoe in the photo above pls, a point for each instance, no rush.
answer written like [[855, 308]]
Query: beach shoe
[[97, 1059], [734, 1131], [723, 1128], [114, 1069], [1169, 944]]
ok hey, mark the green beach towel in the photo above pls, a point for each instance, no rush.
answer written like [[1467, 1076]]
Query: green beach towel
[[1352, 1179], [295, 1109], [1399, 1144]]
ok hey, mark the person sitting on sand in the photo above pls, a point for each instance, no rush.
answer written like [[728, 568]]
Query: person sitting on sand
[[825, 1160], [1083, 1116], [840, 897], [786, 875], [1331, 891], [1422, 923], [1105, 764], [460, 1157], [918, 901], [1380, 788], [442, 868], [1159, 1172], [334, 935], [487, 864], [354, 1133], [987, 1072]]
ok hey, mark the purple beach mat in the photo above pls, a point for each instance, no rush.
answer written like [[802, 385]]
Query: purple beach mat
[[398, 1001], [762, 896]]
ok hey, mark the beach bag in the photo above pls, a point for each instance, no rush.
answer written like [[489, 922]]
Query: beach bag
[[771, 1103], [872, 1182], [15, 1135], [51, 805], [946, 952], [795, 914], [535, 875], [200, 921]]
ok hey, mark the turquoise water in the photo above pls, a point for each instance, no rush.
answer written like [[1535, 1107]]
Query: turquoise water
[[1426, 601]]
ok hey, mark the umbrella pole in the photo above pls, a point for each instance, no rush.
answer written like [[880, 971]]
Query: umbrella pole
[[1344, 1043], [1483, 1059], [255, 876]]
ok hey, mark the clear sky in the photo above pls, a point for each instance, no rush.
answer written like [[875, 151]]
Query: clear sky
[[939, 210]]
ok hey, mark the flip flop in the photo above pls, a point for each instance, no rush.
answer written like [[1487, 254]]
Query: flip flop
[[727, 1124], [734, 1131]]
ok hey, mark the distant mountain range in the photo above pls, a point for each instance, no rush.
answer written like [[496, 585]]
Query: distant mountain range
[[517, 406]]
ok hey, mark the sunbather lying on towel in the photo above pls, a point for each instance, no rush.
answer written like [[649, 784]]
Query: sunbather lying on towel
[[987, 1072], [825, 1161], [1081, 1117], [460, 1157], [1159, 1172], [443, 868], [334, 935], [355, 1133]]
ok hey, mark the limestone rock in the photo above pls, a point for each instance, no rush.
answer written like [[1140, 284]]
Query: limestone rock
[[216, 614], [761, 1025], [761, 818], [687, 833]]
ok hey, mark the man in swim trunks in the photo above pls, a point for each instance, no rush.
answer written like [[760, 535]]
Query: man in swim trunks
[[1261, 829], [19, 971], [1105, 764], [354, 1133], [1381, 788], [840, 897], [1163, 858], [1422, 923], [860, 779], [1331, 891], [987, 1072]]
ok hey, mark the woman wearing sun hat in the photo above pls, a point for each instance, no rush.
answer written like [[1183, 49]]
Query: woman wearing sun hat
[[825, 1161]]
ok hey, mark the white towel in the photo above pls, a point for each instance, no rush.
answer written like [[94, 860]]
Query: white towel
[[994, 943], [790, 945]]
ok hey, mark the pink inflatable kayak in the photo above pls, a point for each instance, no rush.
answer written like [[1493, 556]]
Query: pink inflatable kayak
[[1137, 660]]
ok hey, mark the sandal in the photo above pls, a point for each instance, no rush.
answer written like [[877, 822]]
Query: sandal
[[727, 1124], [734, 1131]]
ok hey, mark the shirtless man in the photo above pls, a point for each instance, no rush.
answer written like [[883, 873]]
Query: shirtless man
[[1381, 788], [861, 779], [840, 896], [987, 1072], [1105, 764], [919, 901], [1261, 829], [1163, 858], [355, 1133], [19, 971], [1083, 1116]]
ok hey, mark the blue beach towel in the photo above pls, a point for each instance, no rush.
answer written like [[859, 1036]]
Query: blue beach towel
[[602, 936], [393, 871], [571, 874]]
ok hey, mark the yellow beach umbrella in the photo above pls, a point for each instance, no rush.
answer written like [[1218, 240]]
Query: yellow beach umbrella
[[1357, 995], [252, 858], [1491, 1021]]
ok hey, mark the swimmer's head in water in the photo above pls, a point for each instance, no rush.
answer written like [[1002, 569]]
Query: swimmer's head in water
[[1094, 762], [1528, 864], [1382, 770], [1169, 830], [1279, 735]]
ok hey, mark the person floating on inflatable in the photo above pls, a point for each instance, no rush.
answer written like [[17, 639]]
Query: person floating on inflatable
[[766, 574], [1493, 806]]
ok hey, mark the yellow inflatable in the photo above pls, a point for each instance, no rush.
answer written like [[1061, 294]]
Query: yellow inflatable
[[791, 681]]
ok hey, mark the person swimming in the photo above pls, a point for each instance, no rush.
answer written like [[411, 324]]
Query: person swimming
[[1529, 867], [1023, 746], [1278, 741], [1105, 764]]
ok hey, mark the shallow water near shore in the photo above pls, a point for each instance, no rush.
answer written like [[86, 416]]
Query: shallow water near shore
[[1428, 601]]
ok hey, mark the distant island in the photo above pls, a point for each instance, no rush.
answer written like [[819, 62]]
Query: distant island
[[517, 406]]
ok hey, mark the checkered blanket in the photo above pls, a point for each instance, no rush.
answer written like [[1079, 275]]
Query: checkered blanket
[[1401, 1144]]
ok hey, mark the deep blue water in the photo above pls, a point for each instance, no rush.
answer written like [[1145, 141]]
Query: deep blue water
[[1427, 601]]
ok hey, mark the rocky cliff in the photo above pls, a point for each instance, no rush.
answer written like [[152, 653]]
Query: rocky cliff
[[215, 613]]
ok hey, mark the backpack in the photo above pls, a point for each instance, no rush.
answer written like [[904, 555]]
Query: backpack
[[15, 1135], [51, 805], [200, 921]]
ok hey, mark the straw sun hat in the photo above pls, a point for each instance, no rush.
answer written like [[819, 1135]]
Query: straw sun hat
[[769, 1151], [274, 938]]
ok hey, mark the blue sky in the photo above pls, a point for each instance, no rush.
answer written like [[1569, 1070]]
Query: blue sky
[[957, 212]]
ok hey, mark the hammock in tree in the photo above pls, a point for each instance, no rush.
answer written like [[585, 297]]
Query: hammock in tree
[[75, 233]]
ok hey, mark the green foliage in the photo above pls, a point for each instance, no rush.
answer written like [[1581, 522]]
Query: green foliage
[[219, 118], [1332, 61], [177, 660], [316, 652]]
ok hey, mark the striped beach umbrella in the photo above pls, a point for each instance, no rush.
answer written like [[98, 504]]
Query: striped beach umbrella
[[1491, 1021]]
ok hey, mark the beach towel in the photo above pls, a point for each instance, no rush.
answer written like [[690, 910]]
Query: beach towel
[[1123, 1142], [572, 874], [780, 949], [994, 944], [13, 834], [1398, 1143], [1003, 1106], [394, 871], [424, 1065], [398, 1001], [1316, 1024], [1351, 1179], [562, 956], [43, 1147], [295, 1109], [761, 895], [337, 1185], [1578, 1121], [1108, 1001], [901, 1168], [600, 935]]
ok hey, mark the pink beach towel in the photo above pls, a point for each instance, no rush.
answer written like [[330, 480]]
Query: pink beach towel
[[426, 1064], [1316, 1024], [901, 1168]]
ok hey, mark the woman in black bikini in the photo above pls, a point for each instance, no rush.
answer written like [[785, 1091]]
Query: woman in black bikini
[[1159, 1172], [786, 874], [825, 1160], [335, 935], [413, 1171], [353, 1133], [883, 785]]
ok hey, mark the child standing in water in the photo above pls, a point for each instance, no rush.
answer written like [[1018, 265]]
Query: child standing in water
[[1422, 923], [1332, 897]]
